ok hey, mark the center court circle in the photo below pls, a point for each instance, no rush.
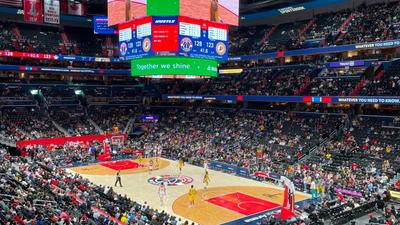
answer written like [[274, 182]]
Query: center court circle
[[170, 180]]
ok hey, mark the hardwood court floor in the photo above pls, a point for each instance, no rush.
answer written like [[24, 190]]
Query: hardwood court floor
[[215, 206], [103, 170], [229, 207]]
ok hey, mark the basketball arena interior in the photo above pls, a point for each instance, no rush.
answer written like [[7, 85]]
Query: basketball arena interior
[[199, 112]]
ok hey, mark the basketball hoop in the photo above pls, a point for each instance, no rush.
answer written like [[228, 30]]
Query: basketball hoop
[[117, 139]]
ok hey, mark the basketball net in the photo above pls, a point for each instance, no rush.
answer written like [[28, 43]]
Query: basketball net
[[117, 139]]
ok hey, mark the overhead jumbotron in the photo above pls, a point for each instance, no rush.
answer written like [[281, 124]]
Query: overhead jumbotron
[[166, 42]]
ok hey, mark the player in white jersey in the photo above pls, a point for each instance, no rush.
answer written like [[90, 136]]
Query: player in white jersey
[[162, 193], [150, 166], [158, 156], [205, 164], [159, 152]]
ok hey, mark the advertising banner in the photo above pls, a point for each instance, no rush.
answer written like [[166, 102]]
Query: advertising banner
[[63, 70], [174, 66], [270, 175], [386, 100], [324, 50], [308, 5], [229, 168], [346, 64], [394, 194], [164, 33], [62, 140], [348, 192], [100, 25], [32, 55]]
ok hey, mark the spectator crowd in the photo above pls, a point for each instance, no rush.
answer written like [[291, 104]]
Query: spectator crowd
[[348, 163]]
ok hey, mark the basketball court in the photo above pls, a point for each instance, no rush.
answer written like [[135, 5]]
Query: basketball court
[[227, 199]]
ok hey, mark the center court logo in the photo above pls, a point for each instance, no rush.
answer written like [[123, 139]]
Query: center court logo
[[170, 180]]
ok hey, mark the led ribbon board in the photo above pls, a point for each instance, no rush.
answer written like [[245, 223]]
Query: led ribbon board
[[174, 66]]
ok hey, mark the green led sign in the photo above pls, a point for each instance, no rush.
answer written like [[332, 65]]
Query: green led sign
[[174, 66]]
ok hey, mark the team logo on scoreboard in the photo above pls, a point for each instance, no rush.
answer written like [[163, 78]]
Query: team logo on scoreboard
[[170, 180], [220, 48], [123, 48], [146, 45], [186, 44]]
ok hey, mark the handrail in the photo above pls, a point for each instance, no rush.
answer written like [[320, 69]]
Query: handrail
[[16, 98], [45, 202], [96, 126], [5, 196], [93, 207], [129, 125], [391, 127], [378, 116], [11, 196], [5, 141], [315, 148]]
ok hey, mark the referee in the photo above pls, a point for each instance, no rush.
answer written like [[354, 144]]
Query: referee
[[118, 179]]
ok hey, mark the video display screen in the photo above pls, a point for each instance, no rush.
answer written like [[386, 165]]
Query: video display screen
[[120, 11], [135, 39], [165, 34], [174, 66], [173, 36], [100, 25], [221, 11]]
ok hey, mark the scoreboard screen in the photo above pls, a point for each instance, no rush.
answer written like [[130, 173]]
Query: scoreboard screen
[[135, 39], [165, 34], [203, 39], [173, 36], [100, 25], [222, 11]]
